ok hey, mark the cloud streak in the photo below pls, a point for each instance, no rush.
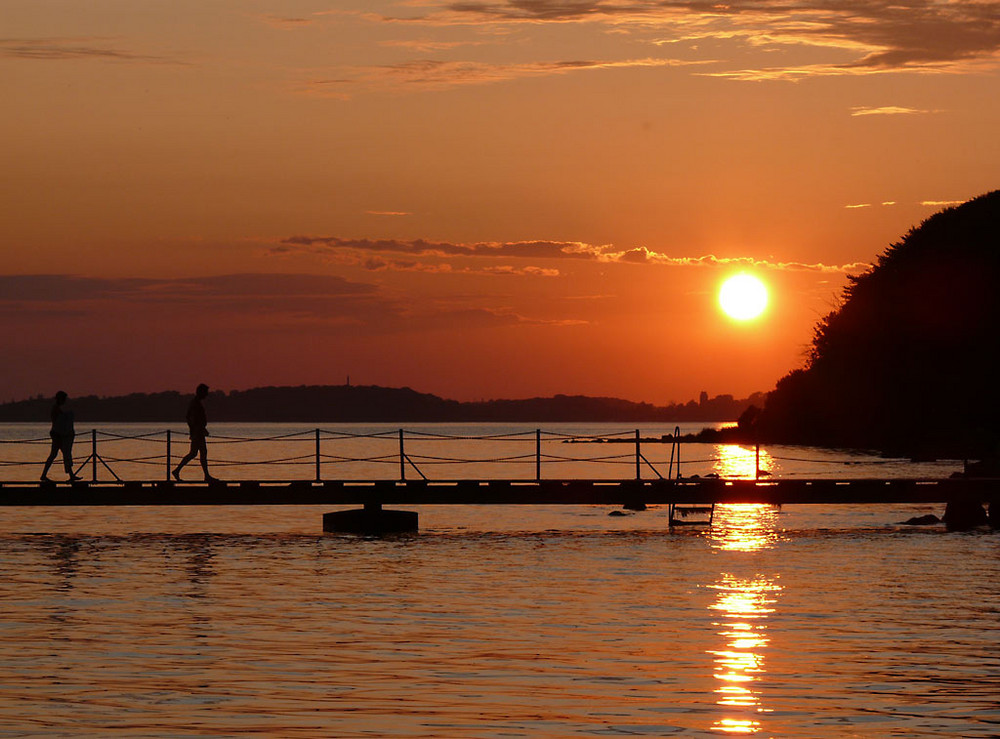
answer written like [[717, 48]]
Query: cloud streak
[[354, 250], [888, 110], [379, 264], [249, 303], [238, 294], [286, 23], [888, 203], [941, 203], [879, 35], [429, 46], [431, 74], [243, 304], [61, 49]]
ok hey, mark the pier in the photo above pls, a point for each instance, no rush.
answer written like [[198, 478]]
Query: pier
[[373, 495], [499, 492], [648, 482]]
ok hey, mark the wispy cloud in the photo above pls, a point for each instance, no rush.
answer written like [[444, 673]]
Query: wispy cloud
[[888, 203], [428, 46], [880, 35], [853, 37], [244, 303], [387, 213], [286, 23], [941, 203], [352, 249], [645, 256], [250, 303], [423, 74], [55, 49], [239, 290], [380, 264], [452, 318], [422, 247], [889, 110]]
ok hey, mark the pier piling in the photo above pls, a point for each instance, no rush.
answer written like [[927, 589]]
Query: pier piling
[[372, 519]]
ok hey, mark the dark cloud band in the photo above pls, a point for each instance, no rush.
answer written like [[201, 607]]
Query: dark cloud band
[[547, 250]]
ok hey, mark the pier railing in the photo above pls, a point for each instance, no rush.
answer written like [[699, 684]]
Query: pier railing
[[400, 454]]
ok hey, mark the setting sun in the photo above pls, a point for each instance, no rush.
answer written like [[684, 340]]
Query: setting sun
[[743, 297]]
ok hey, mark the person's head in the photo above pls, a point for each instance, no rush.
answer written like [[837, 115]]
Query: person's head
[[61, 397], [202, 391]]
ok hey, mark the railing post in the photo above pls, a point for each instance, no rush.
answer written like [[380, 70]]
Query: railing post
[[168, 455], [677, 435], [402, 458], [318, 470], [757, 464], [538, 455], [93, 454], [638, 456]]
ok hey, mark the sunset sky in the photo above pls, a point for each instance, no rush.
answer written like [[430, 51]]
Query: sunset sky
[[474, 199]]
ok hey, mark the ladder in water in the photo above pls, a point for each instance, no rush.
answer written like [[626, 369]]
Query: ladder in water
[[678, 514], [678, 511]]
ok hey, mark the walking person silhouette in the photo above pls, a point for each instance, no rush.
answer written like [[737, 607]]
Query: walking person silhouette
[[197, 423], [62, 433]]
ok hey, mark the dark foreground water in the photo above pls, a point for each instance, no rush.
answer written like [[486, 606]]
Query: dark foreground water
[[497, 622], [830, 621]]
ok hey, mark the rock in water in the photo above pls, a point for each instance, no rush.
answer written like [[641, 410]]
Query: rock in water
[[929, 520]]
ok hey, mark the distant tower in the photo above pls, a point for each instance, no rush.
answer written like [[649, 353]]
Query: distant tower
[[703, 398], [348, 381]]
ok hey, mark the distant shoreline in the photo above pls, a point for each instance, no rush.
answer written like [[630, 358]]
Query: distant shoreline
[[374, 404]]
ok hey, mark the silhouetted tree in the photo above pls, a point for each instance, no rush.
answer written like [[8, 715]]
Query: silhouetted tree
[[908, 361]]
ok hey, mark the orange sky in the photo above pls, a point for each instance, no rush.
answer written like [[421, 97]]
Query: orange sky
[[477, 199]]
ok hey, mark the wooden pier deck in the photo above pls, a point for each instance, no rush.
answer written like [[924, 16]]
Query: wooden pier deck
[[503, 492]]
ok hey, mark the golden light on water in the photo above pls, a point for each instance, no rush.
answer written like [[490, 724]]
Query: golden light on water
[[732, 460], [744, 527], [735, 726], [743, 606]]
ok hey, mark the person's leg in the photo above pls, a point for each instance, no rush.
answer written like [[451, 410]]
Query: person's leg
[[52, 455], [203, 456], [67, 454], [187, 458]]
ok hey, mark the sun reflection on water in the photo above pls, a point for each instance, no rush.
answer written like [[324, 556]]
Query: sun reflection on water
[[744, 527], [732, 460], [742, 606]]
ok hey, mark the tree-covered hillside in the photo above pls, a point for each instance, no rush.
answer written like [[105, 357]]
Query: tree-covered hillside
[[908, 362]]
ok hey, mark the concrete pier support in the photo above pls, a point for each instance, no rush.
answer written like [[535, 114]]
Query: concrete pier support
[[370, 520], [963, 514]]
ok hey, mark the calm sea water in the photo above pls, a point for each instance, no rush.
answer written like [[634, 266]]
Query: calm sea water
[[500, 621]]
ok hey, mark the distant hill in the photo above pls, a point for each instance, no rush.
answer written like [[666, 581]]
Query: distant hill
[[908, 363], [360, 403]]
